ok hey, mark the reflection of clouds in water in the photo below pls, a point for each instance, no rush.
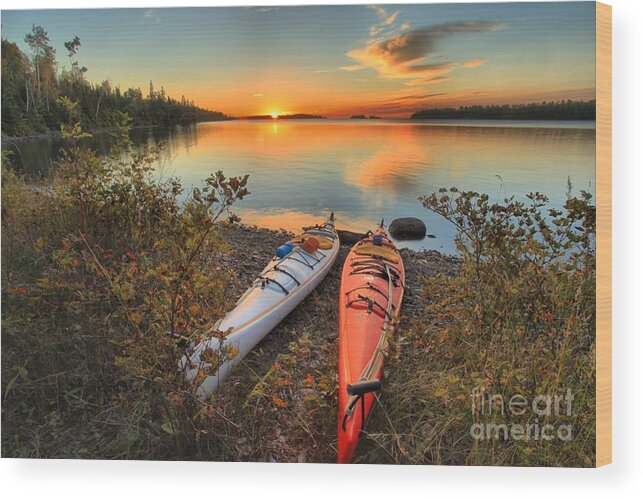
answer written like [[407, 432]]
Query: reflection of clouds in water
[[293, 220], [426, 158], [290, 220], [375, 200], [397, 167]]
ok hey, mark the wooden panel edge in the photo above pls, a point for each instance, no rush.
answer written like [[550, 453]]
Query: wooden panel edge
[[603, 234]]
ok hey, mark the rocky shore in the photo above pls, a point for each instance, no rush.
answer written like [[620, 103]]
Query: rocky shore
[[252, 247], [315, 319]]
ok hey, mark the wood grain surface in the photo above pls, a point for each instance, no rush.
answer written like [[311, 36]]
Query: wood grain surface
[[603, 234]]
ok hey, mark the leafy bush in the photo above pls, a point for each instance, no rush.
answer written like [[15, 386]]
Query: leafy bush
[[518, 319], [97, 269]]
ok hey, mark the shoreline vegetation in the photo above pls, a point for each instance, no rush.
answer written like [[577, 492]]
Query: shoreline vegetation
[[554, 110], [55, 134], [34, 90], [97, 270]]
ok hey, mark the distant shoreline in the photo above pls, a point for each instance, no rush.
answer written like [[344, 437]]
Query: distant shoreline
[[437, 121], [553, 110], [466, 118], [270, 117]]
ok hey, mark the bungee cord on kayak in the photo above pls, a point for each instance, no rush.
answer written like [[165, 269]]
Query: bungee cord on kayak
[[370, 298], [296, 269], [374, 366]]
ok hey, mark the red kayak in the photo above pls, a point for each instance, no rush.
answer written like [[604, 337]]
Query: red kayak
[[369, 304]]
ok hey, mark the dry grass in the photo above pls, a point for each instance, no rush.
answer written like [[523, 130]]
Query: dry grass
[[95, 274]]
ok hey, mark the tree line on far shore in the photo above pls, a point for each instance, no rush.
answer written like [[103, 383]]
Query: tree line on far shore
[[34, 85], [554, 110]]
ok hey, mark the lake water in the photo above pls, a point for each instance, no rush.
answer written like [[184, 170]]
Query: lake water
[[366, 170]]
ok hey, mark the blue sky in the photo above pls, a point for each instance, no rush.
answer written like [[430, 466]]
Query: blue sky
[[333, 60]]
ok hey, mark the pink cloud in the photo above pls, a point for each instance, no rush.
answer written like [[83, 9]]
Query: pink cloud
[[391, 19], [408, 55], [429, 81], [473, 63]]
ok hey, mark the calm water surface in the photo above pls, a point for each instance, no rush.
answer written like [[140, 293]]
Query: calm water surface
[[366, 170]]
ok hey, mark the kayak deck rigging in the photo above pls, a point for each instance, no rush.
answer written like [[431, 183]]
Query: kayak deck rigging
[[285, 281], [376, 267], [310, 260], [374, 366], [371, 296]]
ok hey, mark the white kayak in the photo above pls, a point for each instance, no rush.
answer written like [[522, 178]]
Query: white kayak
[[280, 287]]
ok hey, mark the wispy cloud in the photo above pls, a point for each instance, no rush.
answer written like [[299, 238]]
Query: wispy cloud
[[409, 55], [386, 20], [429, 81], [391, 19], [381, 11], [352, 67], [258, 94], [405, 25], [409, 103], [420, 96], [150, 14], [263, 9], [473, 63]]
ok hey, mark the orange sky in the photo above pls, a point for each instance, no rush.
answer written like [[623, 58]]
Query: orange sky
[[334, 60]]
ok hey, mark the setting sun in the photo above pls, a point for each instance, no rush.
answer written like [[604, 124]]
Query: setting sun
[[274, 114]]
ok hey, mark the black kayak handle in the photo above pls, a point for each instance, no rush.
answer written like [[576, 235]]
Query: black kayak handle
[[363, 387]]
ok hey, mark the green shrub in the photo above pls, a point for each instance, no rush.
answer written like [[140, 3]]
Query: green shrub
[[517, 319], [97, 268]]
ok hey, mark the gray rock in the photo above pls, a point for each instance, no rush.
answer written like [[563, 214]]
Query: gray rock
[[349, 238], [407, 228]]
